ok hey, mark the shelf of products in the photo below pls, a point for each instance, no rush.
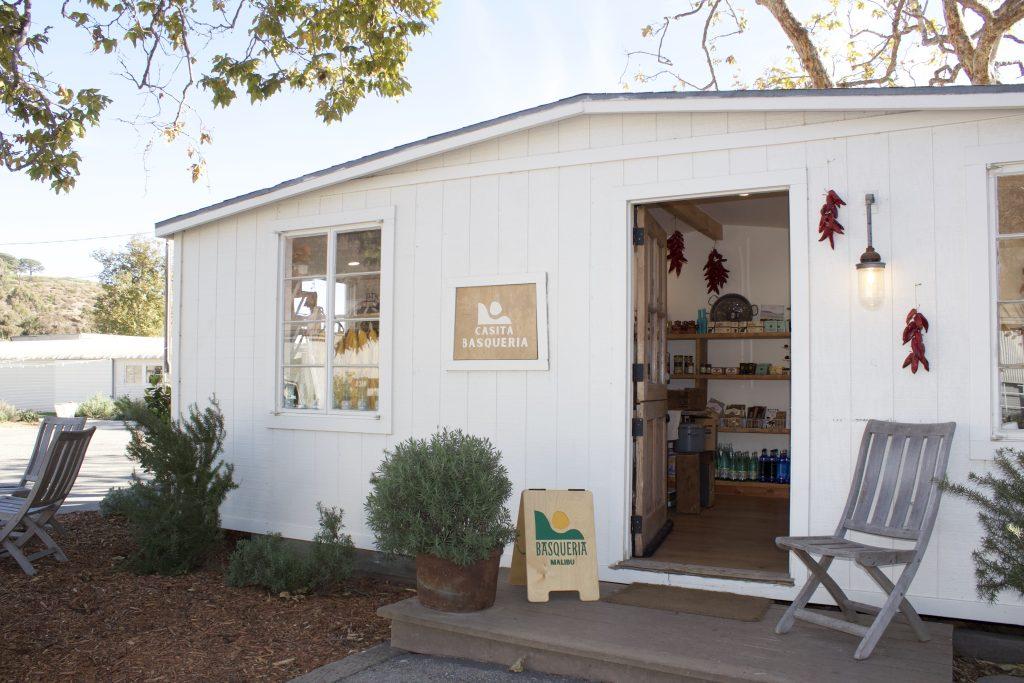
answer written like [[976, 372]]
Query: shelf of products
[[751, 488], [739, 377], [691, 336], [751, 430]]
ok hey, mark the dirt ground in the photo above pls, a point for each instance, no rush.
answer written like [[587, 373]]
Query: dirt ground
[[90, 620]]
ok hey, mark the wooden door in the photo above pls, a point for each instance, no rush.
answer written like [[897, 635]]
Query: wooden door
[[650, 522]]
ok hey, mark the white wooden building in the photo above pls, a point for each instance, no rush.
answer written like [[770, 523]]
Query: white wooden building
[[38, 371], [551, 192]]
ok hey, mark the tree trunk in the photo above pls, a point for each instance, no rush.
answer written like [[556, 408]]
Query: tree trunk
[[800, 39]]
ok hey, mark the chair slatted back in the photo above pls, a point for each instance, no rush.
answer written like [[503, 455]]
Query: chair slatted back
[[895, 490], [61, 467], [49, 428]]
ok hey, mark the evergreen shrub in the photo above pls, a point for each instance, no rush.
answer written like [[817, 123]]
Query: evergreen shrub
[[279, 565], [999, 495], [443, 496], [97, 407]]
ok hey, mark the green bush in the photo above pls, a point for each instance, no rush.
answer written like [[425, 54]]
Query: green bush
[[30, 416], [174, 515], [119, 501], [97, 407], [8, 413], [278, 565], [999, 561], [444, 497]]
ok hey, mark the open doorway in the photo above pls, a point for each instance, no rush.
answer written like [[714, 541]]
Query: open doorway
[[711, 388]]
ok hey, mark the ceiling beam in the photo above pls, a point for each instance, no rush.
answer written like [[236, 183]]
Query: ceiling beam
[[695, 218]]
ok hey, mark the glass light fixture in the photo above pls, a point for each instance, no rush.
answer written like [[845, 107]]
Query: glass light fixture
[[870, 269]]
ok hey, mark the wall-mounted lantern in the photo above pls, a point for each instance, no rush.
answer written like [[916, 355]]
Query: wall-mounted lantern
[[871, 269]]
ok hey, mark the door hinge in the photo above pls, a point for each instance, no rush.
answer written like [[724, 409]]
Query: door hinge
[[638, 427], [636, 524], [638, 237], [638, 372]]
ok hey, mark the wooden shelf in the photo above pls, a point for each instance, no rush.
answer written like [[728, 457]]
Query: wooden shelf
[[751, 488], [677, 336], [751, 430], [755, 378]]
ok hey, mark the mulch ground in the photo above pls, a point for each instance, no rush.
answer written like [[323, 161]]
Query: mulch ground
[[90, 619]]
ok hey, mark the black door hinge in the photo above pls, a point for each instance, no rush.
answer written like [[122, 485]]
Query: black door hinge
[[636, 524], [638, 427], [638, 372], [638, 236]]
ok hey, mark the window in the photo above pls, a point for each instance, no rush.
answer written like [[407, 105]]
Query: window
[[1009, 215], [132, 374], [333, 305]]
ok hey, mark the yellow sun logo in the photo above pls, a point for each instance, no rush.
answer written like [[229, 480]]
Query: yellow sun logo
[[559, 521]]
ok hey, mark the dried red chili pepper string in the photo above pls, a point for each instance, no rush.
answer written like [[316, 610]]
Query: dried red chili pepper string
[[828, 226], [676, 253], [917, 324], [715, 273]]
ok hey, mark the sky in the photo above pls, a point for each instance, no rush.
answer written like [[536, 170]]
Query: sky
[[481, 59]]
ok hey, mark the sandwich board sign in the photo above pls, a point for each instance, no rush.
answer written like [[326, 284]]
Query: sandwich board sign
[[555, 549]]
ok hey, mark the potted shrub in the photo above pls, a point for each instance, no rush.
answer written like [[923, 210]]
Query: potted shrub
[[442, 501]]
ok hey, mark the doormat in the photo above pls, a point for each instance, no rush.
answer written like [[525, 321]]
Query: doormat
[[692, 601]]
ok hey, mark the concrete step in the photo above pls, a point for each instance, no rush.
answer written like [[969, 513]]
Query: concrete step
[[608, 642]]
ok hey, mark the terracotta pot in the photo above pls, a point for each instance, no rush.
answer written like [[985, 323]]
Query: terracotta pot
[[448, 587]]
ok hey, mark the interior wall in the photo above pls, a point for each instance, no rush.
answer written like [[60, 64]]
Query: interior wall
[[758, 262]]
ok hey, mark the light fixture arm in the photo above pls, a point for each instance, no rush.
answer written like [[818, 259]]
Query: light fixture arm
[[869, 201], [870, 258]]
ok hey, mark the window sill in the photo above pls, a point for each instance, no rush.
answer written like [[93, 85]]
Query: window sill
[[375, 423]]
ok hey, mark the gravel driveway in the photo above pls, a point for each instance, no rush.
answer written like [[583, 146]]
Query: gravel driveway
[[105, 462]]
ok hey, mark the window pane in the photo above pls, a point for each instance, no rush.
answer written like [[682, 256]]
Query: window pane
[[305, 299], [1011, 269], [357, 296], [358, 251], [1010, 199], [305, 343], [356, 388], [306, 256], [356, 343], [133, 374], [303, 388]]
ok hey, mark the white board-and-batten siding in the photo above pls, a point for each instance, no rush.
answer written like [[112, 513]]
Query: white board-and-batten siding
[[538, 200]]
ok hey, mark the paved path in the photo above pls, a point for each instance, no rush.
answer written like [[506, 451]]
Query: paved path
[[105, 462], [385, 664]]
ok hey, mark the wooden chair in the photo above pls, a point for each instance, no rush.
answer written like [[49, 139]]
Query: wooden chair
[[895, 494], [49, 428], [26, 517]]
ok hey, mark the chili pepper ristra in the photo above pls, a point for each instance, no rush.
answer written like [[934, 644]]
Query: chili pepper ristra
[[917, 325], [828, 225], [715, 274], [676, 253]]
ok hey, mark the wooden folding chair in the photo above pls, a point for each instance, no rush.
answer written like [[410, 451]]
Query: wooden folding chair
[[895, 494], [49, 428], [26, 517]]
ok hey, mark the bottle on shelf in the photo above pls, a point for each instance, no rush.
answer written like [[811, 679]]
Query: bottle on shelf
[[762, 470], [773, 466], [753, 467], [784, 467]]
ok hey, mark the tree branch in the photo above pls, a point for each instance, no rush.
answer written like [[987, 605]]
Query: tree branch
[[800, 39]]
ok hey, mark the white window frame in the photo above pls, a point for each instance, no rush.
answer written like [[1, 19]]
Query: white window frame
[[983, 165], [328, 418], [142, 374]]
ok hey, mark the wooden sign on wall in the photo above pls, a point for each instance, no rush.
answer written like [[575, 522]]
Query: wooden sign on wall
[[555, 549], [499, 322]]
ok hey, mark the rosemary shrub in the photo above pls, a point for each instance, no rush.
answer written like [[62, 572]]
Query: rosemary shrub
[[999, 495], [443, 496]]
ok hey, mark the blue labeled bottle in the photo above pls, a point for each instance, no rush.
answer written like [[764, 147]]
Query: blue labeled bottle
[[773, 466], [762, 466], [784, 467]]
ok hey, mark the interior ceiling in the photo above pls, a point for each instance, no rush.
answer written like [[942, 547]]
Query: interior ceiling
[[769, 210]]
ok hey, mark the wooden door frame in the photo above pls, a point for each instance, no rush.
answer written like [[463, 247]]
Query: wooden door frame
[[794, 182]]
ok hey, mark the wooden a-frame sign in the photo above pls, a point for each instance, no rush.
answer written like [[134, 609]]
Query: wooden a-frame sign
[[555, 549]]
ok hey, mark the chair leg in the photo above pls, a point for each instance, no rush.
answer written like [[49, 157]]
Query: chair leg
[[819, 576], [892, 605], [35, 529], [19, 557], [913, 619]]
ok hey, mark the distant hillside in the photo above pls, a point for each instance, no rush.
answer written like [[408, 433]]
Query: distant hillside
[[46, 305]]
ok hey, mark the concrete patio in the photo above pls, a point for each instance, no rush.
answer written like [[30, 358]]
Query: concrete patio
[[105, 462], [609, 642]]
